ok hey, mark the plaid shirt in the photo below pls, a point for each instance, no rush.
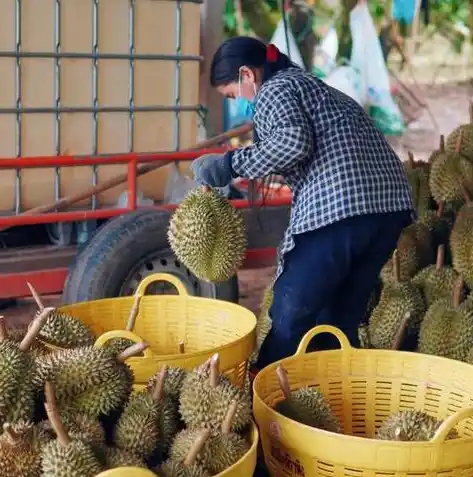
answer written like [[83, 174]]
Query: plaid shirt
[[337, 163]]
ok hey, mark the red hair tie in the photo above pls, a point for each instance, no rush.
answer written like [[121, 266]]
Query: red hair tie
[[272, 53]]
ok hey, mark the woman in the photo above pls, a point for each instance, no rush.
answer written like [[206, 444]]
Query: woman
[[351, 198]]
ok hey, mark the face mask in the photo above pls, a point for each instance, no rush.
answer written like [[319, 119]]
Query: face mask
[[244, 107]]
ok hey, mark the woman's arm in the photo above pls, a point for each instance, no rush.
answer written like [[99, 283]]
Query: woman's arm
[[288, 136]]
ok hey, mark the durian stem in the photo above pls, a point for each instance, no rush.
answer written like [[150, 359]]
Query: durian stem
[[466, 194], [398, 434], [182, 348], [283, 382], [457, 291], [205, 188], [203, 368], [36, 296], [35, 328], [227, 422], [12, 434], [135, 308], [196, 448], [440, 209], [458, 144], [396, 267], [440, 257], [442, 143], [158, 390], [410, 156], [54, 417], [215, 370], [3, 329], [133, 350], [399, 337]]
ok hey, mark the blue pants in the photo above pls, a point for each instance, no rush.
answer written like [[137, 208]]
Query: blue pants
[[327, 279]]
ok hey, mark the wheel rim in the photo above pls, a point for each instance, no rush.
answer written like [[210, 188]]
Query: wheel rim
[[163, 262]]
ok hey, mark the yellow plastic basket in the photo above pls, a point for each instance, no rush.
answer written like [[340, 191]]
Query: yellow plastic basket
[[205, 326], [364, 387], [127, 472]]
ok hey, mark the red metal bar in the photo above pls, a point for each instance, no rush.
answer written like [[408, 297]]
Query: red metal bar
[[46, 282], [77, 161], [132, 199]]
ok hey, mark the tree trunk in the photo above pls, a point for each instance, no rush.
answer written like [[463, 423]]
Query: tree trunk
[[343, 29]]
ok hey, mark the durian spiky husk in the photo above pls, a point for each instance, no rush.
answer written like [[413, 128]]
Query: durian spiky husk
[[451, 175], [461, 243], [74, 460], [437, 281], [447, 330], [20, 450], [66, 331], [415, 251], [418, 178], [173, 383], [113, 457], [204, 406], [411, 425], [88, 380], [208, 235], [466, 130], [310, 407], [172, 468]]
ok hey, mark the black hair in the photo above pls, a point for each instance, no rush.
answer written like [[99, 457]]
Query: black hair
[[244, 51]]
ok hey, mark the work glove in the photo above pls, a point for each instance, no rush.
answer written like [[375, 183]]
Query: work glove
[[214, 170]]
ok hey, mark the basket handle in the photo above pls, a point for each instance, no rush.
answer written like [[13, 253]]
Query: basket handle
[[109, 335], [161, 277], [449, 423], [307, 338]]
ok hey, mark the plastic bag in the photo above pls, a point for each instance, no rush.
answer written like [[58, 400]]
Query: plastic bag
[[178, 186], [279, 40], [367, 58], [325, 54], [347, 80]]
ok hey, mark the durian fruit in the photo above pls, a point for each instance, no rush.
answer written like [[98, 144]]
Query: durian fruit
[[461, 243], [440, 223], [414, 250], [79, 427], [114, 457], [263, 324], [189, 466], [223, 448], [62, 329], [306, 405], [436, 281], [451, 175], [411, 425], [148, 423], [205, 397], [398, 299], [207, 234], [364, 336], [466, 130], [17, 369], [418, 178], [20, 449], [65, 457], [447, 327], [174, 379], [19, 332], [88, 380], [121, 344]]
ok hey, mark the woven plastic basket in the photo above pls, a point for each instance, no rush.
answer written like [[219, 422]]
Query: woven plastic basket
[[205, 327], [364, 387], [127, 472]]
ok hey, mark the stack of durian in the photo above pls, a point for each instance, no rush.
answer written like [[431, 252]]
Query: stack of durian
[[430, 276], [73, 412]]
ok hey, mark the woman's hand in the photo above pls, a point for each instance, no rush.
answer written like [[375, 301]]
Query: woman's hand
[[213, 170]]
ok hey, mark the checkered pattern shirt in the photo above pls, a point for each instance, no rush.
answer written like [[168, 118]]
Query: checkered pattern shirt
[[337, 163]]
